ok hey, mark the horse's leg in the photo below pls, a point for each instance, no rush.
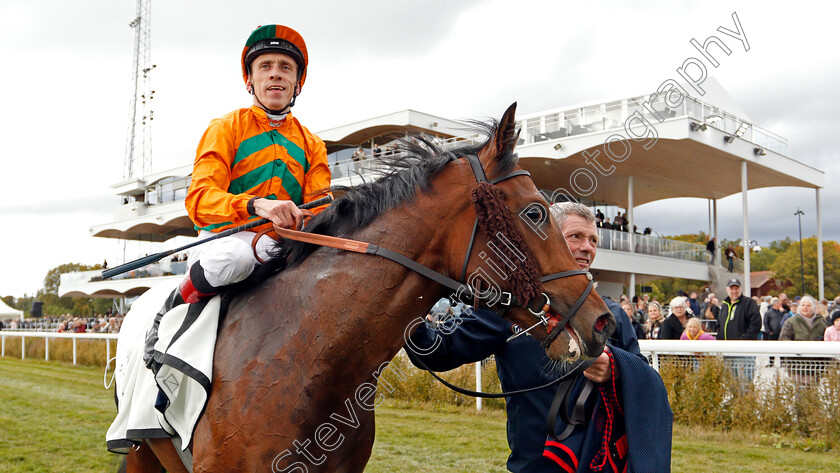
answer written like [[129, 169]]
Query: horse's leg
[[165, 452], [141, 460]]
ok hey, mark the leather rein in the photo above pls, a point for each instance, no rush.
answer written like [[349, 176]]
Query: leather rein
[[553, 324]]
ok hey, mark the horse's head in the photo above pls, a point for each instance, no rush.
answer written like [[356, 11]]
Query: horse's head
[[518, 251]]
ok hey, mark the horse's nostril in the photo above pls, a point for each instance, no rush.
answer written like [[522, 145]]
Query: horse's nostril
[[602, 322]]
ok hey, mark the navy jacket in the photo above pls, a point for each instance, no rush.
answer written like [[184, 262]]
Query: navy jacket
[[522, 363], [645, 426]]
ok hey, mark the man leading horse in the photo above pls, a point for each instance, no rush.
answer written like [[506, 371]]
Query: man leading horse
[[522, 364]]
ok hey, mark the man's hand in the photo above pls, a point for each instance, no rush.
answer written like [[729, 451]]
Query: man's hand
[[600, 371], [282, 213]]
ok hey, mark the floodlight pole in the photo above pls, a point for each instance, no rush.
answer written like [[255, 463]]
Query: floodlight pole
[[799, 213]]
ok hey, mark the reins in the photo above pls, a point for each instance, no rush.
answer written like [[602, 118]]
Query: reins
[[554, 325]]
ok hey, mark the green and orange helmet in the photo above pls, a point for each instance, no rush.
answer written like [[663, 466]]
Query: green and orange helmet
[[276, 39]]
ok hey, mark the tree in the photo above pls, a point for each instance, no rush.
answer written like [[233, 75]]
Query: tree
[[786, 266], [54, 305]]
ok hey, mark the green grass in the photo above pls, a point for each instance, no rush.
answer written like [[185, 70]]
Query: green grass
[[54, 417]]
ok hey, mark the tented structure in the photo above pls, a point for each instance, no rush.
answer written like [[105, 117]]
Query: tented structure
[[6, 311]]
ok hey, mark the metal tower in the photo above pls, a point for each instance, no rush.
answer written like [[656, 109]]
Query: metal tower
[[138, 147]]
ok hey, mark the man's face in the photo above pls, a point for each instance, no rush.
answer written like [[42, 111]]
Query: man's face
[[734, 292], [274, 80], [582, 238]]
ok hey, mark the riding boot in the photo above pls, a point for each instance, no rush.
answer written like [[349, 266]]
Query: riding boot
[[173, 300], [194, 287]]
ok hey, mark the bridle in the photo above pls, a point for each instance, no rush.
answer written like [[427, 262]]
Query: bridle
[[509, 300], [553, 323]]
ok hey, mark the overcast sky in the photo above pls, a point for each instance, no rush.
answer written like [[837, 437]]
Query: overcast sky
[[65, 90]]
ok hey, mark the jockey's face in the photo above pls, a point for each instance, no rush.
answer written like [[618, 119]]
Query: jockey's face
[[274, 80]]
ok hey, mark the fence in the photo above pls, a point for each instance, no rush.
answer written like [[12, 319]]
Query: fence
[[753, 360], [47, 336]]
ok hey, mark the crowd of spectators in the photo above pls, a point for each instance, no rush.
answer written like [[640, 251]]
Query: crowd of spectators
[[781, 318], [67, 323], [620, 223]]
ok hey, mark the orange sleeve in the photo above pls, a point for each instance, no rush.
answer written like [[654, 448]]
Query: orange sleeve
[[208, 202], [319, 177]]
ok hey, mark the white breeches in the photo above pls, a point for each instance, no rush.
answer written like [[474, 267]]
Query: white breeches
[[230, 259]]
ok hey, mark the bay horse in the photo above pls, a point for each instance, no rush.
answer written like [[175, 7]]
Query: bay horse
[[300, 354]]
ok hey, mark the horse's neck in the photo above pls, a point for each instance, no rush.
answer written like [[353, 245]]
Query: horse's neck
[[367, 300]]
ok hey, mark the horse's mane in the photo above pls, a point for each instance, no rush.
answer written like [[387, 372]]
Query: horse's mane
[[416, 160]]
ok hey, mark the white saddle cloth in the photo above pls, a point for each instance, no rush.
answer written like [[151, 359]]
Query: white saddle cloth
[[185, 350]]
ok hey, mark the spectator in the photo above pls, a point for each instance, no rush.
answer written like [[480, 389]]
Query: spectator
[[785, 302], [832, 332], [822, 309], [729, 253], [738, 318], [773, 320], [835, 305], [641, 311], [765, 304], [79, 326], [674, 325], [807, 324], [710, 307], [794, 306], [710, 247], [112, 326], [599, 219], [359, 154], [654, 323], [693, 331], [637, 327], [693, 305]]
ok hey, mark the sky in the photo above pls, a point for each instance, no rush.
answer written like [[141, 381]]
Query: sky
[[65, 89]]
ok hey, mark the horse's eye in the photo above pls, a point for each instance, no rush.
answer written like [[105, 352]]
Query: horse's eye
[[535, 214]]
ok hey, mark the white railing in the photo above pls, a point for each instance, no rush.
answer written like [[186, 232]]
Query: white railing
[[49, 335], [613, 115], [615, 240], [753, 359]]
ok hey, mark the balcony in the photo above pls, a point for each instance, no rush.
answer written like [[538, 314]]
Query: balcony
[[613, 115], [615, 240]]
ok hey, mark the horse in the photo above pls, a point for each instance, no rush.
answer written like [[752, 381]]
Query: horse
[[302, 356]]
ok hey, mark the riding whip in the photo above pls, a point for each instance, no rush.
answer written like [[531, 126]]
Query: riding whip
[[147, 260]]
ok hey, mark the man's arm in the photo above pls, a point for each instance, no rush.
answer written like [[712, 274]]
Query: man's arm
[[318, 178], [211, 179], [754, 319], [473, 336], [787, 331]]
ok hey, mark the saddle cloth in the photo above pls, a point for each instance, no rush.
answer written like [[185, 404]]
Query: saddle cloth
[[169, 403]]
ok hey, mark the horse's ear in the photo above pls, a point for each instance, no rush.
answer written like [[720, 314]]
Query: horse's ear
[[505, 137]]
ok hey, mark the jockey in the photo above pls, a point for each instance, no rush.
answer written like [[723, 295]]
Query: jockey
[[253, 162]]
